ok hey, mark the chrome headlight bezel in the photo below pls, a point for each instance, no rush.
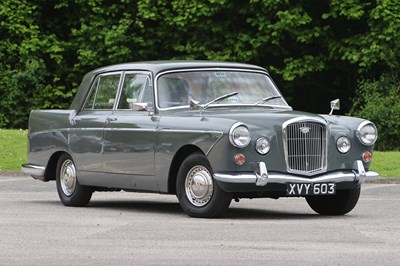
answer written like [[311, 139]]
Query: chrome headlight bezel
[[263, 145], [343, 148], [239, 135], [367, 138]]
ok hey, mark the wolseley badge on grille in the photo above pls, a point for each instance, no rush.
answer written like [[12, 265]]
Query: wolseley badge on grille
[[305, 130]]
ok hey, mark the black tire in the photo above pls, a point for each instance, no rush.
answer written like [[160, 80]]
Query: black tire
[[69, 190], [341, 203], [197, 192]]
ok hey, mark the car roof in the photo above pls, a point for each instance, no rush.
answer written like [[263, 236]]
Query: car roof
[[161, 66]]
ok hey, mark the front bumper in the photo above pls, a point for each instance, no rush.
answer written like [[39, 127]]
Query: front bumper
[[261, 178]]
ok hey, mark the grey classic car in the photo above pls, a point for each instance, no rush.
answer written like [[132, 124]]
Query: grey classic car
[[208, 132]]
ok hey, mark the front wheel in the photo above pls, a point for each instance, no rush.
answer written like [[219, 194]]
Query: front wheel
[[69, 190], [339, 204], [198, 194]]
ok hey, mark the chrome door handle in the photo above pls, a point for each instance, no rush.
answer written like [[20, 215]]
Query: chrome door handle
[[110, 119], [74, 121]]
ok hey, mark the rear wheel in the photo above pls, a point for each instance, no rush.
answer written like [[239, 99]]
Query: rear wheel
[[198, 194], [339, 204], [69, 190]]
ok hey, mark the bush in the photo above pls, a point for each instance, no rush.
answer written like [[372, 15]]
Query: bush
[[379, 101]]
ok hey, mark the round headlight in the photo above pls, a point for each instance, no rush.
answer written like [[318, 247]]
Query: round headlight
[[239, 135], [367, 133], [343, 144], [263, 146]]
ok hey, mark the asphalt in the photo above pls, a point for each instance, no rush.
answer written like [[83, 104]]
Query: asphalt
[[121, 228]]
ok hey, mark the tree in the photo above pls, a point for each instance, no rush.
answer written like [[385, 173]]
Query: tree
[[316, 50]]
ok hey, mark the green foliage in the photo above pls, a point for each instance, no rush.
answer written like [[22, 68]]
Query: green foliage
[[314, 49], [379, 101], [27, 57]]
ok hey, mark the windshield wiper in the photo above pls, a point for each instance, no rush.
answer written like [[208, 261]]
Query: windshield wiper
[[267, 99], [220, 98], [196, 105]]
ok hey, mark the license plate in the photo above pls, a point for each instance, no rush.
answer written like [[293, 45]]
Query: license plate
[[305, 189]]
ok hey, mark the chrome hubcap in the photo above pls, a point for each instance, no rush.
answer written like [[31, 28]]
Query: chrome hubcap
[[68, 177], [199, 186]]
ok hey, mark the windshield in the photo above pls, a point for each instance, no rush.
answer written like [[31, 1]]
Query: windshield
[[177, 89]]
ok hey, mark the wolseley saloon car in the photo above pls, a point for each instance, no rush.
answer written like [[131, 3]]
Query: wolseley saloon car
[[208, 132]]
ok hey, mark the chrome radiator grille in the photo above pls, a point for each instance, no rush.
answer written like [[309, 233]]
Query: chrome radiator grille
[[305, 147]]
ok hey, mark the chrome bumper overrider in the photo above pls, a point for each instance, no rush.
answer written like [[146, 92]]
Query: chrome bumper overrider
[[262, 177], [36, 171]]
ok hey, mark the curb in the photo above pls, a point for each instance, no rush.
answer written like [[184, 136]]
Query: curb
[[12, 173]]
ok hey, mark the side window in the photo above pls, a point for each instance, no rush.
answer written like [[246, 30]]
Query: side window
[[103, 92], [135, 89]]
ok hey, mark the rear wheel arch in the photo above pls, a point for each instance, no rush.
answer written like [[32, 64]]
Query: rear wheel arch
[[51, 168]]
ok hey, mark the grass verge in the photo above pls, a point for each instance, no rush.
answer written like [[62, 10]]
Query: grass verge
[[13, 153], [386, 163]]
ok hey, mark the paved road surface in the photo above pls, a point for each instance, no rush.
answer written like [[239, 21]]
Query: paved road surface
[[135, 229]]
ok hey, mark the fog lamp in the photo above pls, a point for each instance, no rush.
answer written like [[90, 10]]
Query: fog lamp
[[263, 146], [343, 144]]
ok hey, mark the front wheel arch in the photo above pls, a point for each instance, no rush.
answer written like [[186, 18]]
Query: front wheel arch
[[179, 157]]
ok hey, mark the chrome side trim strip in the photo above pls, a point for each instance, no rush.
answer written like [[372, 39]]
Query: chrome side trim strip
[[36, 171]]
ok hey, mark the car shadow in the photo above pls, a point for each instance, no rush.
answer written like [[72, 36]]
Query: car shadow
[[173, 208], [141, 206], [252, 214]]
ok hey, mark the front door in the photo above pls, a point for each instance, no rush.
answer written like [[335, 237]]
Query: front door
[[129, 135]]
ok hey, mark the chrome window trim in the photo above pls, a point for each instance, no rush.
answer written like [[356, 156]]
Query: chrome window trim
[[212, 69], [324, 151]]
